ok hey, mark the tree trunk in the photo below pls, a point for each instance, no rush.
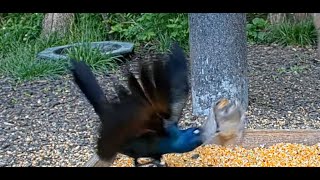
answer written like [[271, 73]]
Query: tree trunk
[[276, 18], [57, 23], [297, 17], [219, 64], [316, 21]]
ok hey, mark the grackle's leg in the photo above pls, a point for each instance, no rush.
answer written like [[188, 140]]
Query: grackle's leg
[[136, 163], [155, 162]]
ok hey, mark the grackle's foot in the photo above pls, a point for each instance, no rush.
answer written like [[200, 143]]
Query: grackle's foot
[[153, 163]]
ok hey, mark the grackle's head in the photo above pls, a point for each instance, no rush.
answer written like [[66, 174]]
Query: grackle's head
[[186, 140]]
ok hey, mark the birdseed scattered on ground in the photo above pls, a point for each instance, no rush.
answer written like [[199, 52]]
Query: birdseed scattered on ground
[[277, 155]]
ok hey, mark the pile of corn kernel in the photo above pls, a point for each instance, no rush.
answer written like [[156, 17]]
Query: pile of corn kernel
[[277, 155]]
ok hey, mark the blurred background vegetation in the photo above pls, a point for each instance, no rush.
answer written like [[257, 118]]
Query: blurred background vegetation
[[23, 35]]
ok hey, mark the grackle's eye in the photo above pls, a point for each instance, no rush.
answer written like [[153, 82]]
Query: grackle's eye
[[196, 131]]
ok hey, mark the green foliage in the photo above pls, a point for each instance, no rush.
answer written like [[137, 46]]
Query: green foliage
[[301, 33], [155, 29], [293, 69], [289, 33], [251, 16], [257, 30], [21, 64], [19, 28], [93, 56]]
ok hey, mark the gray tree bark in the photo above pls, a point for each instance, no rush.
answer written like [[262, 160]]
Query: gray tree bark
[[316, 21], [276, 18], [1, 16], [218, 59], [57, 23], [297, 17]]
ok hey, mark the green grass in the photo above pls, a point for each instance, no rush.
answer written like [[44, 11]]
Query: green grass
[[22, 65], [260, 31], [301, 33], [293, 69], [98, 61]]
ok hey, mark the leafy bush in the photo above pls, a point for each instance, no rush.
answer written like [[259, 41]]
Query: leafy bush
[[257, 30], [156, 29]]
